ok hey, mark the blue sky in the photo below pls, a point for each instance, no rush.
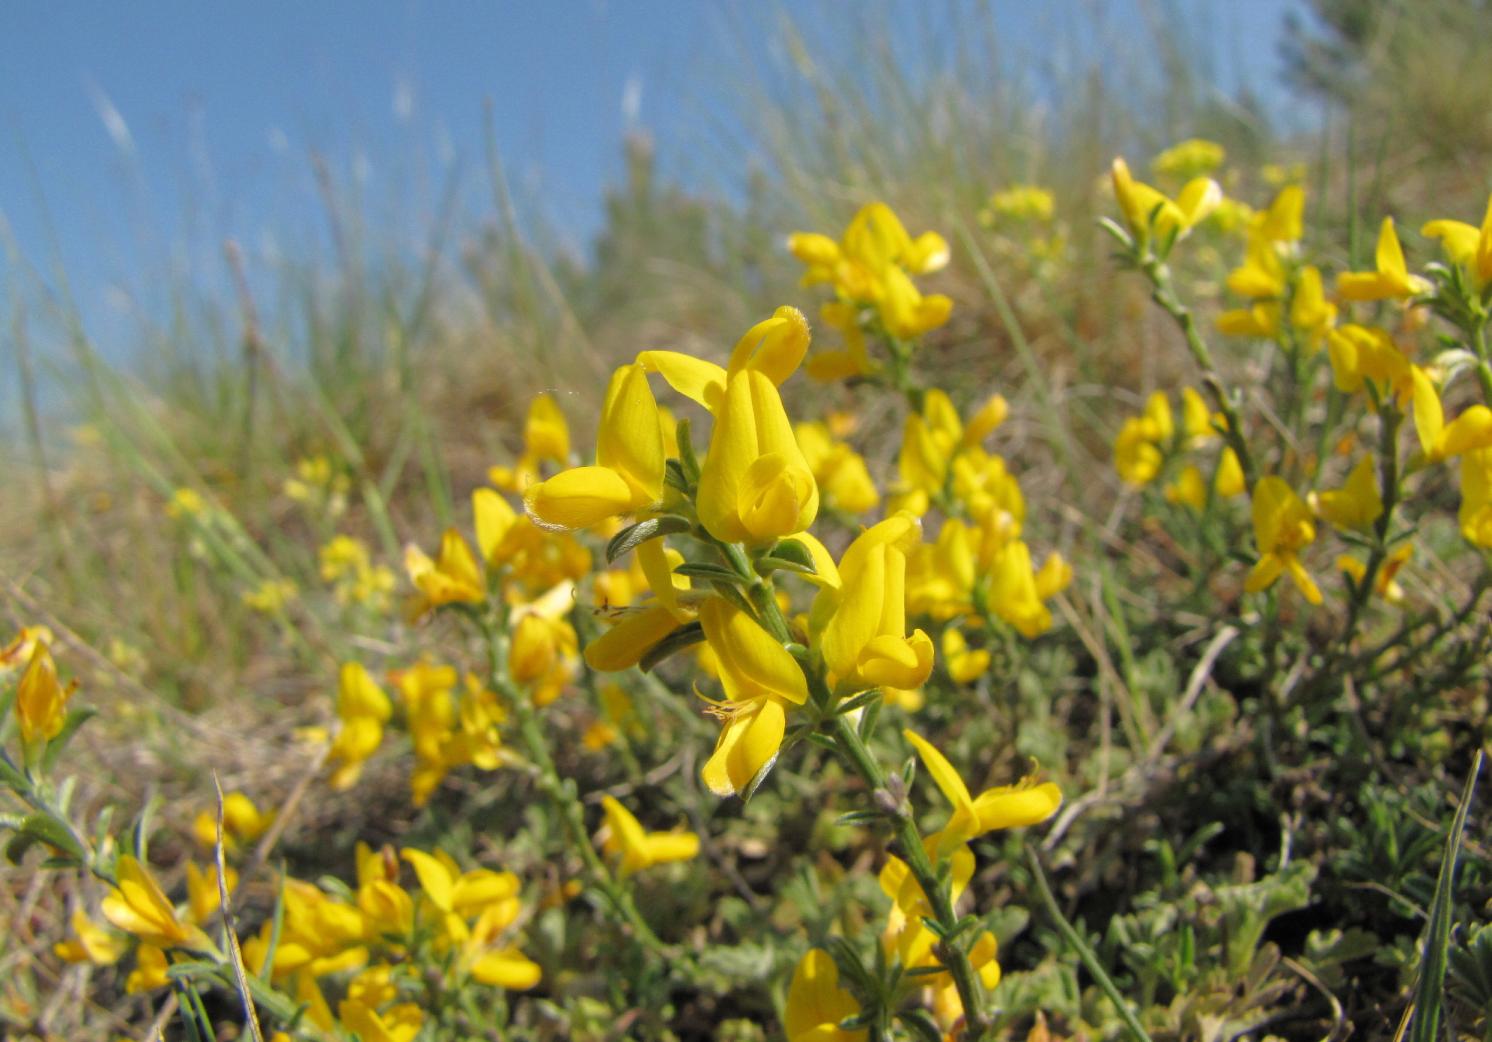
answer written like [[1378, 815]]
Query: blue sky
[[137, 136]]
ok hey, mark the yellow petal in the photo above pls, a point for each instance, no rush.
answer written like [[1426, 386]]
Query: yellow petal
[[694, 378], [747, 747], [579, 498]]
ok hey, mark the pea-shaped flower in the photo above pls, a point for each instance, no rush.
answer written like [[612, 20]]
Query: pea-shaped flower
[[628, 473], [861, 623]]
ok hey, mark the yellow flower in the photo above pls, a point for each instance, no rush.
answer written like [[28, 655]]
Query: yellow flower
[[41, 699], [849, 361], [149, 972], [203, 898], [840, 472], [1139, 446], [1188, 159], [1282, 528], [862, 612], [93, 942], [1020, 203], [906, 935], [1357, 504], [1475, 515], [491, 962], [964, 665], [398, 1024], [816, 1004], [628, 474], [271, 596], [136, 905], [452, 578], [1145, 207], [1004, 807], [638, 849], [1385, 584], [755, 485], [1366, 353], [1440, 440], [874, 263], [546, 437], [18, 652], [454, 892], [1467, 246], [761, 680], [1391, 279], [363, 709], [186, 503]]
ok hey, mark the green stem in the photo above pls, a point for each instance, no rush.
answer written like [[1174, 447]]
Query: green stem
[[563, 797], [954, 958], [1085, 953], [1164, 295]]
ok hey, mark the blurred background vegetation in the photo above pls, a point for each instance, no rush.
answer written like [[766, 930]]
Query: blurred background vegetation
[[407, 364]]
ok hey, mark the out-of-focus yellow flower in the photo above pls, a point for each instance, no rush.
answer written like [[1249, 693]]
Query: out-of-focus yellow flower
[[492, 962], [1145, 207], [1391, 279], [319, 934], [136, 905], [347, 565], [844, 481], [149, 972], [873, 264], [400, 1023], [363, 709], [1466, 246], [964, 664], [203, 898], [91, 942], [452, 578], [318, 485], [1026, 203], [1367, 353], [17, 654], [242, 823], [638, 849], [1475, 515], [186, 503], [628, 474], [271, 596], [1187, 159], [906, 936], [543, 650], [1440, 440], [546, 437], [1282, 528], [1385, 584], [849, 361], [1005, 807], [1139, 448], [862, 631], [816, 1004], [761, 681], [41, 698], [1357, 504]]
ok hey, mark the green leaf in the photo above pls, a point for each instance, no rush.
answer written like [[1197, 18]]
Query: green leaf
[[70, 724], [767, 565], [11, 776], [685, 636], [688, 462], [708, 570], [633, 536], [792, 550], [1429, 994], [46, 829]]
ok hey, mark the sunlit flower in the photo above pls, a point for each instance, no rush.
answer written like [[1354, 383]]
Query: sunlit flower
[[1390, 280], [1282, 529], [1004, 807], [816, 1004], [638, 849]]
